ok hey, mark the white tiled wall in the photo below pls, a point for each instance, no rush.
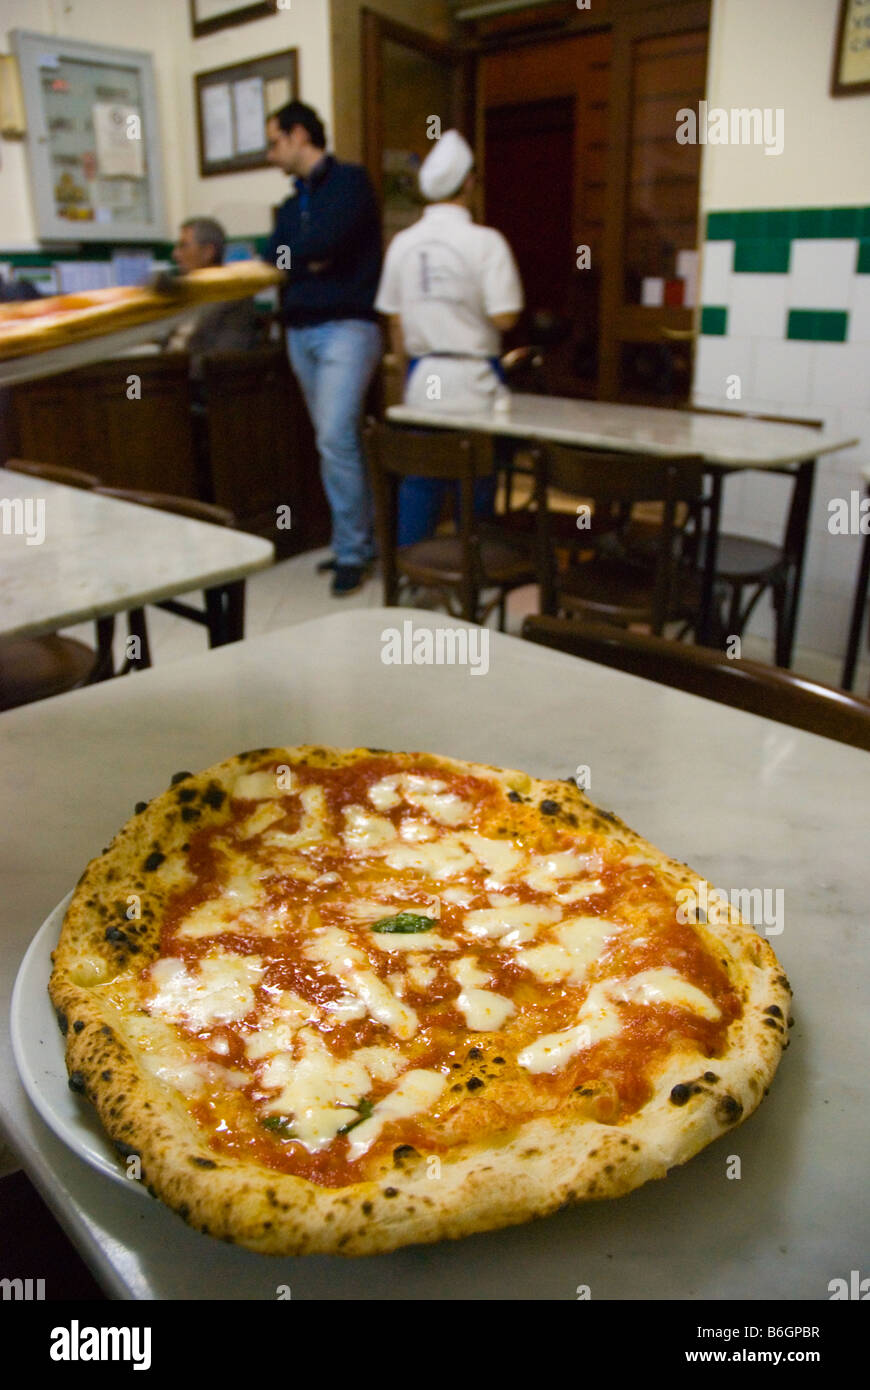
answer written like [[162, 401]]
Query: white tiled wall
[[803, 379]]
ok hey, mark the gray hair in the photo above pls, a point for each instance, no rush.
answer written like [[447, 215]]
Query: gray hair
[[208, 232]]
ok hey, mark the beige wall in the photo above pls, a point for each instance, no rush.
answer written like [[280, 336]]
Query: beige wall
[[242, 201], [779, 53], [430, 16]]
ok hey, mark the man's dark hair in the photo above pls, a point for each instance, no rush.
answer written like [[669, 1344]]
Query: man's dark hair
[[297, 113], [208, 232]]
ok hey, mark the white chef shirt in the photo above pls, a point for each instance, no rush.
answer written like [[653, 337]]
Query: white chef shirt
[[445, 277]]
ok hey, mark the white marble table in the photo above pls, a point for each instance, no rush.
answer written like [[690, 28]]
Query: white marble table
[[746, 802], [724, 443], [721, 441], [100, 556]]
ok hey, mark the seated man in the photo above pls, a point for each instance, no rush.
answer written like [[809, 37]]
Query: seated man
[[232, 326]]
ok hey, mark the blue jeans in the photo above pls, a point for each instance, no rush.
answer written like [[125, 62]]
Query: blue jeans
[[421, 500], [334, 364]]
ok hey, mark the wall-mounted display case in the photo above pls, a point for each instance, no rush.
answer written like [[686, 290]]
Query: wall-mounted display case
[[92, 139]]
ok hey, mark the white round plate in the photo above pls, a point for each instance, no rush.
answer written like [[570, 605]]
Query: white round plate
[[38, 1048]]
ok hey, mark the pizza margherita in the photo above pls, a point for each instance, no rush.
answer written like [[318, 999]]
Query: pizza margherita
[[340, 1001]]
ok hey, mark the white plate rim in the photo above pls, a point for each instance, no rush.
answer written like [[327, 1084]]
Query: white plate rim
[[42, 1070]]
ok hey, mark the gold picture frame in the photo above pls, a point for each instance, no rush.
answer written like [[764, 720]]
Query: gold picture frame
[[851, 73], [207, 16]]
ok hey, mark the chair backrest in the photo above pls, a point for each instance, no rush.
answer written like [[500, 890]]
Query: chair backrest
[[180, 506], [412, 453], [54, 473], [749, 685], [618, 478], [394, 454], [796, 521], [612, 477]]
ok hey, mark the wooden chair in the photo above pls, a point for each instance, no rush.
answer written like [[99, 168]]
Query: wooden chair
[[859, 603], [746, 568], [54, 473], [616, 588], [224, 610], [749, 685], [34, 668], [458, 567]]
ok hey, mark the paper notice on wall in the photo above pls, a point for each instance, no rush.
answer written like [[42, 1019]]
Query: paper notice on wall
[[115, 194], [119, 141], [217, 122], [250, 115]]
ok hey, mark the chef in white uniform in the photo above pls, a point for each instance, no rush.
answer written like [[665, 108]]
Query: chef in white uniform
[[450, 289]]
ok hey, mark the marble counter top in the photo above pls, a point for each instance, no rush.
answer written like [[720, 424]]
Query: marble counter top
[[744, 801], [68, 556], [731, 443]]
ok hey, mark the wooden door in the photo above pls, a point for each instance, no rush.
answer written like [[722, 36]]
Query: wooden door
[[653, 185], [409, 78]]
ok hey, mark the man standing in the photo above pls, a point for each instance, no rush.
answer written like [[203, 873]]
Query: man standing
[[234, 326], [328, 240], [450, 288]]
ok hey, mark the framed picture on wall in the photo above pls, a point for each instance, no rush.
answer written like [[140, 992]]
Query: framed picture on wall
[[232, 105], [208, 15], [852, 53]]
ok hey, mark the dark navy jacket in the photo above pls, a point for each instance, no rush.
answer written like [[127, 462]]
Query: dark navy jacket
[[331, 222]]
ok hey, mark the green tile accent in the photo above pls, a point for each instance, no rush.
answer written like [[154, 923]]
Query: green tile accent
[[863, 264], [818, 325], [845, 222], [714, 320], [721, 226], [765, 223], [771, 254]]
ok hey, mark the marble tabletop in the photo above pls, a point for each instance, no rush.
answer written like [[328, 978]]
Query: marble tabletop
[[68, 555], [729, 443], [746, 802]]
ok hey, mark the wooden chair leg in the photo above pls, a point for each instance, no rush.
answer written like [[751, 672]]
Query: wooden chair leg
[[105, 667]]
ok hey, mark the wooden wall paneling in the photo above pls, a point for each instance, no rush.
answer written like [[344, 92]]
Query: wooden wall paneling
[[144, 442]]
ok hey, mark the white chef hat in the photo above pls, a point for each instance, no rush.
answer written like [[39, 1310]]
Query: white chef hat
[[443, 172]]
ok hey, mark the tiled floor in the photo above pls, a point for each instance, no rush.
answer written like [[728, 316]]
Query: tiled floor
[[292, 591]]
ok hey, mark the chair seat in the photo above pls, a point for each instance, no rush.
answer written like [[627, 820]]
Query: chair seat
[[439, 560], [33, 668], [607, 587], [746, 561]]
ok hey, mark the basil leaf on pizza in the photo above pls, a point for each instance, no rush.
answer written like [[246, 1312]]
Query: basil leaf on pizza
[[350, 961], [406, 923]]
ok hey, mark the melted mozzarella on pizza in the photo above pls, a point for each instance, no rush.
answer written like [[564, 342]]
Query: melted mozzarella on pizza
[[349, 935]]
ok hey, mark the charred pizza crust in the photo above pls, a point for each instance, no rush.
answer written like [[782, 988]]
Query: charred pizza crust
[[497, 1179]]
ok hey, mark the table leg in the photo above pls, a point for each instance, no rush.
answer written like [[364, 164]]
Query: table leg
[[708, 583], [799, 522], [858, 613]]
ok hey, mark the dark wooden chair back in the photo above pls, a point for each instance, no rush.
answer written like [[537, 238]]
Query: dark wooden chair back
[[394, 454], [54, 473], [613, 479], [749, 685], [180, 506]]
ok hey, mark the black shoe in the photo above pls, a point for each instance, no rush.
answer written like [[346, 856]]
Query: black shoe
[[348, 578], [326, 565]]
